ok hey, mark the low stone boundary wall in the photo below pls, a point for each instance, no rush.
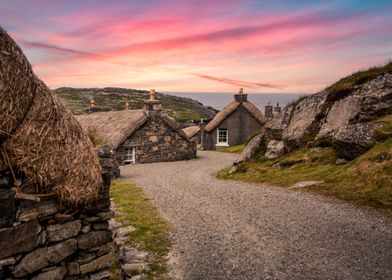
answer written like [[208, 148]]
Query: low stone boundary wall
[[45, 240]]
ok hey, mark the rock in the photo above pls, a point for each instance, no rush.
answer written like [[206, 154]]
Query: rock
[[42, 237], [63, 231], [101, 226], [43, 257], [18, 239], [131, 269], [129, 255], [275, 149], [104, 274], [84, 257], [106, 215], [339, 116], [93, 239], [7, 261], [305, 184], [125, 231], [86, 229], [353, 140], [101, 250], [259, 141], [276, 125], [33, 210], [303, 116], [97, 264], [341, 161], [92, 219], [55, 274], [73, 268]]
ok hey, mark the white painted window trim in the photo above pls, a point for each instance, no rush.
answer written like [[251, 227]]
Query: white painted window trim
[[222, 144], [133, 161]]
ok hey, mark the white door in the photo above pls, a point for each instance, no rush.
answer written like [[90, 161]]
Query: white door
[[129, 153]]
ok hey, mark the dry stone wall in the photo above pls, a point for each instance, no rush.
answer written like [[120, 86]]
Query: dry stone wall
[[46, 240], [156, 141]]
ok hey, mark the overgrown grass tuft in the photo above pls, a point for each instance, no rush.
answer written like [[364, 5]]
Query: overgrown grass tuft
[[341, 88], [367, 180], [152, 231]]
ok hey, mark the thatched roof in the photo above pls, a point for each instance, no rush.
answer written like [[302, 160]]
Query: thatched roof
[[39, 136], [231, 108], [191, 131], [115, 127]]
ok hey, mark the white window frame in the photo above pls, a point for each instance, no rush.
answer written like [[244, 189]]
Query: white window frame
[[219, 143], [129, 161]]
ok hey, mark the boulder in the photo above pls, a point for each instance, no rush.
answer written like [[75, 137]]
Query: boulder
[[43, 257], [353, 140], [303, 116], [275, 149], [276, 125], [63, 231], [258, 142], [18, 239]]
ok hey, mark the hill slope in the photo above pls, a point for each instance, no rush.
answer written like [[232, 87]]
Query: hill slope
[[341, 137], [182, 109]]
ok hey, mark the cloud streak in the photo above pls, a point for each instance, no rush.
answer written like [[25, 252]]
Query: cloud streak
[[236, 82]]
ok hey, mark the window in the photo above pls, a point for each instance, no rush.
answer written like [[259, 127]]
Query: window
[[129, 153], [223, 137]]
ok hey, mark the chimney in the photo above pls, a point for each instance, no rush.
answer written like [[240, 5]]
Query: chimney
[[152, 106], [240, 96], [268, 111]]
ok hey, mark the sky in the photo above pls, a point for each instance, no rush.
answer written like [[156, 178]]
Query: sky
[[200, 45]]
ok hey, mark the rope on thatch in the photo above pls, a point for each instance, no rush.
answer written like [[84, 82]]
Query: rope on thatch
[[41, 137]]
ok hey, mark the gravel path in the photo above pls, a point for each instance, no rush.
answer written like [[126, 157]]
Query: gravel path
[[235, 230]]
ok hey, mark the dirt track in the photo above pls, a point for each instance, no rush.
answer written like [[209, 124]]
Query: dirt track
[[236, 230]]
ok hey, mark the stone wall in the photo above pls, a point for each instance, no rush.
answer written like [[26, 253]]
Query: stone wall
[[156, 141], [46, 240]]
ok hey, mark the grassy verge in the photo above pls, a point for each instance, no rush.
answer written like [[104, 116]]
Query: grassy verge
[[367, 180], [136, 209], [233, 149]]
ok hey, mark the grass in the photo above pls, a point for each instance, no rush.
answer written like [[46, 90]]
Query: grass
[[152, 231], [341, 88], [232, 149], [77, 99], [366, 181]]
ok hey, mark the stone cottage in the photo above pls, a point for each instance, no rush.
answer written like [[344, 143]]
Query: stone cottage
[[234, 124], [140, 136]]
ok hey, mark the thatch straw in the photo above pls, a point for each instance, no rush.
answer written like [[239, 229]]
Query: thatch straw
[[191, 131], [113, 127], [40, 136], [231, 108]]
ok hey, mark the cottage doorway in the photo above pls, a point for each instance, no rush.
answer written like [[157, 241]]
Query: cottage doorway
[[129, 153]]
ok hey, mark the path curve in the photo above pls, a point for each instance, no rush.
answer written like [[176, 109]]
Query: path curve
[[234, 230]]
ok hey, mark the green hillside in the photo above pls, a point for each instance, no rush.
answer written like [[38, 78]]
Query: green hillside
[[182, 109]]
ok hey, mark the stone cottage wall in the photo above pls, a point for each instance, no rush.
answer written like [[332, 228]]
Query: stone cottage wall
[[45, 240], [155, 141]]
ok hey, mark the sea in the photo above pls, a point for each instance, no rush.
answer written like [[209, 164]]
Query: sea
[[220, 100]]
